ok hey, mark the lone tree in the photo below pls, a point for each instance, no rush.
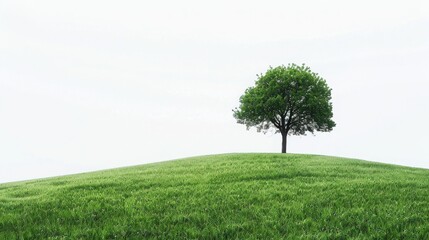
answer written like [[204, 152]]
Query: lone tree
[[293, 100]]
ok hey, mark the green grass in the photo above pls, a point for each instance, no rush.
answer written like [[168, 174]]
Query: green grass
[[230, 196]]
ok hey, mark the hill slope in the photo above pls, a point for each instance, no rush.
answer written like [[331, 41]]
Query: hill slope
[[224, 196]]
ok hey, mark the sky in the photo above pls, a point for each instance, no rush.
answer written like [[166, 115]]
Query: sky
[[90, 85]]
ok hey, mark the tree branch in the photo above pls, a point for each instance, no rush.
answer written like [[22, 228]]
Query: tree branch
[[276, 122]]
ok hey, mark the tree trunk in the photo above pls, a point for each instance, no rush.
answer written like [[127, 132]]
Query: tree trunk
[[284, 142]]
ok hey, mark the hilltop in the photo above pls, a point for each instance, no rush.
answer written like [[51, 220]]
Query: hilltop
[[229, 196]]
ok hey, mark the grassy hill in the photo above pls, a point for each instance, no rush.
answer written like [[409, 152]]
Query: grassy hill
[[230, 196]]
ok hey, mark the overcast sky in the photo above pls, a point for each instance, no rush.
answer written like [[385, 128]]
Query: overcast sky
[[88, 85]]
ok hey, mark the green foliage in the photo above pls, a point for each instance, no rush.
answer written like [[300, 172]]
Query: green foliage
[[231, 196], [293, 100]]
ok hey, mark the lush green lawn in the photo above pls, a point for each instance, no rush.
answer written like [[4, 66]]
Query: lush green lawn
[[231, 196]]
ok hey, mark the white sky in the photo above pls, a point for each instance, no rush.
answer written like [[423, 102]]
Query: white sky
[[87, 85]]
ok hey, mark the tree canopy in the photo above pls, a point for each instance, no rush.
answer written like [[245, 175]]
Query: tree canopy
[[293, 100]]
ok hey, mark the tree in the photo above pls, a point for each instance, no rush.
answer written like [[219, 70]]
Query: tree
[[293, 100]]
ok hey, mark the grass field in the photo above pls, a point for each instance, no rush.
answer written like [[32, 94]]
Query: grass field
[[230, 196]]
